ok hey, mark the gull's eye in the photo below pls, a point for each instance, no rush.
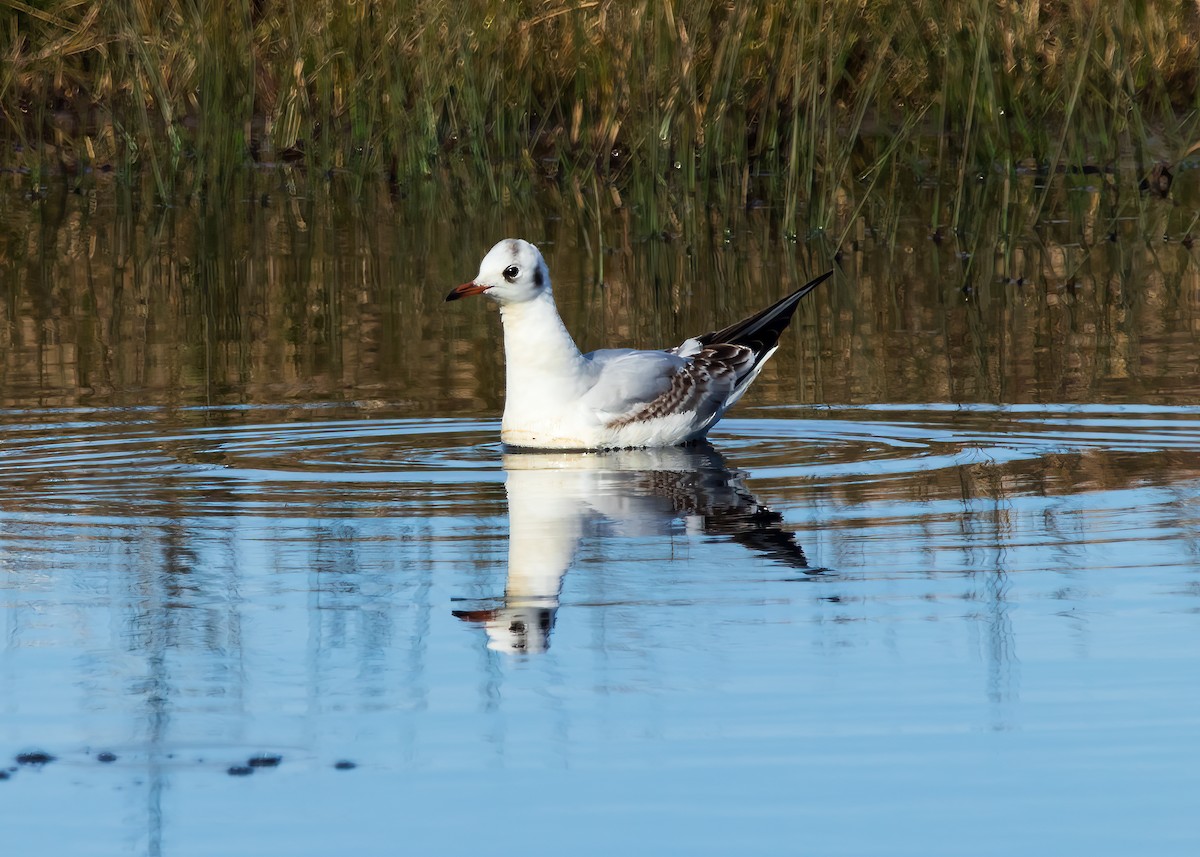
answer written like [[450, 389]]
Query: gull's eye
[[510, 273]]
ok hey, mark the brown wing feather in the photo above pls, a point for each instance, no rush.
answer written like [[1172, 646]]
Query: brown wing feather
[[702, 386]]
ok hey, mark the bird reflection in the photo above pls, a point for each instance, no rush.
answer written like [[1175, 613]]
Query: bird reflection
[[556, 499]]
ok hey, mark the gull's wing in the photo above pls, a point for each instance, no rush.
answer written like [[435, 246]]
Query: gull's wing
[[626, 379], [704, 376], [705, 385], [633, 386]]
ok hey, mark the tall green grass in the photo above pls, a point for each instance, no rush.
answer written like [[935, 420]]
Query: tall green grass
[[813, 104]]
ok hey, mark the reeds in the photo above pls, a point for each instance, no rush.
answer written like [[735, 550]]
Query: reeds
[[810, 103], [303, 294]]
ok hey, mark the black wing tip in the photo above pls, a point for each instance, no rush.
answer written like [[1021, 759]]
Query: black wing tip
[[812, 284], [771, 322]]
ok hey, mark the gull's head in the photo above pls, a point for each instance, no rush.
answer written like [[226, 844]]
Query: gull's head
[[513, 271]]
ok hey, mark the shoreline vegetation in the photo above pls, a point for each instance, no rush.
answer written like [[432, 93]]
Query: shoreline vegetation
[[250, 200], [802, 99]]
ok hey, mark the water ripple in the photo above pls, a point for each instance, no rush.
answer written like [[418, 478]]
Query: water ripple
[[260, 459]]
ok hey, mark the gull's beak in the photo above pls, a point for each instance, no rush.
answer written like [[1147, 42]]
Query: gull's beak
[[465, 291]]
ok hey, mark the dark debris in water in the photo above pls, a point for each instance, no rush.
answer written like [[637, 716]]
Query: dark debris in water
[[34, 757], [39, 758]]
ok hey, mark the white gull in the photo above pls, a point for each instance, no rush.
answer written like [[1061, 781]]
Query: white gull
[[558, 398]]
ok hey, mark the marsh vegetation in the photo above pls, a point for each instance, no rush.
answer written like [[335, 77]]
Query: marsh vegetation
[[804, 106], [946, 156]]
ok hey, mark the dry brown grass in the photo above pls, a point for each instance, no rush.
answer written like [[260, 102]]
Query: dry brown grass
[[699, 89]]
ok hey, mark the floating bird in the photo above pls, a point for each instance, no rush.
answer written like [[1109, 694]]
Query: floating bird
[[558, 398]]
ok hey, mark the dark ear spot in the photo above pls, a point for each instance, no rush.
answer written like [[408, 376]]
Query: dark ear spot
[[538, 279]]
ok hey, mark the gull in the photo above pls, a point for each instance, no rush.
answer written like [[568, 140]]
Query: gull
[[558, 398]]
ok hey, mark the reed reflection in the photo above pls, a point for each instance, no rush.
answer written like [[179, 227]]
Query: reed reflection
[[557, 500]]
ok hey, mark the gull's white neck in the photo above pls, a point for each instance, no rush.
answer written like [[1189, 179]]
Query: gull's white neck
[[543, 366]]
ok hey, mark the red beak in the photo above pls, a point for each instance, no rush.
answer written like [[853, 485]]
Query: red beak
[[465, 291]]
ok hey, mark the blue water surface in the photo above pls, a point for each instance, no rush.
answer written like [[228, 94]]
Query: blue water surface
[[901, 631]]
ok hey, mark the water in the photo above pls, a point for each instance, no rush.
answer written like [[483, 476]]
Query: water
[[934, 588]]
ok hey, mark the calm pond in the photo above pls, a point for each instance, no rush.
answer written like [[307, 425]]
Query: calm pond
[[932, 588]]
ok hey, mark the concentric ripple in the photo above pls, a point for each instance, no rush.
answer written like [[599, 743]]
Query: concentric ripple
[[230, 460], [338, 461], [1070, 448]]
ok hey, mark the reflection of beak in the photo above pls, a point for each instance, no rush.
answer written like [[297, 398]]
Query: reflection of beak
[[519, 627], [465, 291], [479, 616]]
